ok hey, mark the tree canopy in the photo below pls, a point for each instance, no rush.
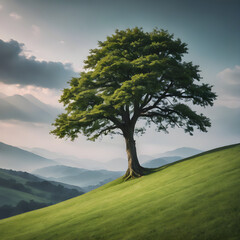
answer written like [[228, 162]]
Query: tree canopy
[[134, 75]]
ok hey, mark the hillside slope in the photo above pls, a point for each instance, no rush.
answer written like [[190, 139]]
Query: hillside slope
[[19, 190], [193, 199]]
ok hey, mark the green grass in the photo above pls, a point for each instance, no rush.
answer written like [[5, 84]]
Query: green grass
[[198, 198]]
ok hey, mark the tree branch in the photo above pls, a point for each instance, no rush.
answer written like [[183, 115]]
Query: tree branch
[[159, 99], [105, 131]]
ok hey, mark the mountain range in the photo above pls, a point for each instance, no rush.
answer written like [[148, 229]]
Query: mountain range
[[67, 160], [154, 161], [18, 159], [183, 152], [34, 158], [158, 162], [90, 175], [77, 176], [116, 164], [26, 108]]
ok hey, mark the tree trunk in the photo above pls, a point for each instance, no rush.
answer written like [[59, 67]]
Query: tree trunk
[[134, 169]]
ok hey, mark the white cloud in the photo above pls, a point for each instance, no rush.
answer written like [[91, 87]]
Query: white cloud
[[228, 87], [62, 42], [15, 16], [1, 7], [36, 30], [231, 76], [46, 95]]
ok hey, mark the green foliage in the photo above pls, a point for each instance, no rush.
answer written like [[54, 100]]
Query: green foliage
[[134, 75], [193, 199]]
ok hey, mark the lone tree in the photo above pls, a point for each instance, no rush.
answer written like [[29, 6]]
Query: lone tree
[[134, 75]]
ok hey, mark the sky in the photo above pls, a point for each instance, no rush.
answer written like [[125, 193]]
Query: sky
[[43, 43]]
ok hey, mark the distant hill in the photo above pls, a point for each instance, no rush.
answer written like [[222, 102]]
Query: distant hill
[[26, 108], [183, 152], [23, 190], [117, 164], [120, 164], [17, 159], [158, 162], [76, 176], [67, 160], [43, 152], [171, 156], [192, 199]]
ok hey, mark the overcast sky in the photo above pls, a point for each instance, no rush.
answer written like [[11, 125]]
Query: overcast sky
[[43, 44]]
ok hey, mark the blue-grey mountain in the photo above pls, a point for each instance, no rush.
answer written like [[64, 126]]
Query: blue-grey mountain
[[26, 108], [77, 176], [17, 159]]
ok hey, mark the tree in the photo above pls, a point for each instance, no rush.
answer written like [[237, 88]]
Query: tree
[[134, 75]]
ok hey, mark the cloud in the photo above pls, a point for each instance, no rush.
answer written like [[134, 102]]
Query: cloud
[[16, 68], [225, 121], [36, 30], [228, 87], [62, 42], [15, 16], [48, 96], [230, 80], [1, 7]]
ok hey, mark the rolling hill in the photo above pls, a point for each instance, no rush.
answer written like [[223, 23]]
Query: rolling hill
[[16, 187], [68, 160], [17, 159], [182, 152], [76, 176], [158, 162], [116, 164], [197, 198]]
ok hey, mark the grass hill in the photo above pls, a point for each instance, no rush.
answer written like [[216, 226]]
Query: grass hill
[[197, 198], [18, 187]]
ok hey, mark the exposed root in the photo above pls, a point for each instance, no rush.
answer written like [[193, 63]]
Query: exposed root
[[132, 174]]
